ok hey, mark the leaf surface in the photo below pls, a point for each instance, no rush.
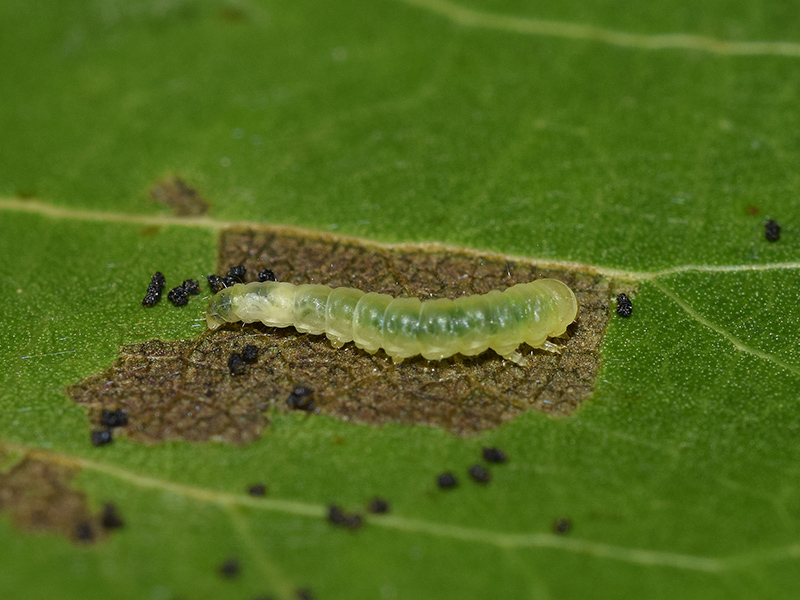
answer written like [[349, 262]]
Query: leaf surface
[[572, 133]]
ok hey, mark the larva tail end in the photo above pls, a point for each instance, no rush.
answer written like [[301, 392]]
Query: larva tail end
[[566, 303]]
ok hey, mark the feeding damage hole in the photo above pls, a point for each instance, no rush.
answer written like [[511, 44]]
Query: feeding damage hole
[[183, 199], [38, 496], [189, 390]]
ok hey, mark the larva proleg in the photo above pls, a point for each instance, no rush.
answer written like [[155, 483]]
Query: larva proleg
[[404, 327]]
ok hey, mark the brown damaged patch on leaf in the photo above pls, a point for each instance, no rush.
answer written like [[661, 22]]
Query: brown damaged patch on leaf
[[38, 496], [183, 390], [183, 199], [179, 390]]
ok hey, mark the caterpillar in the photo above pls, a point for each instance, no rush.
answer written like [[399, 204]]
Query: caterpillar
[[404, 327]]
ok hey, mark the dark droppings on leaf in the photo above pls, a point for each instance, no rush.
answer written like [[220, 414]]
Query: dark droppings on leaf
[[446, 481], [84, 532], [250, 354], [110, 518], [184, 200], [114, 418], [304, 594], [229, 281], [101, 437], [340, 518], [479, 474], [191, 286], [624, 306], [300, 399], [772, 231], [494, 455], [154, 289], [182, 390], [266, 275], [562, 526], [239, 272], [378, 506], [230, 568], [236, 364], [37, 495], [178, 296], [257, 489], [215, 283]]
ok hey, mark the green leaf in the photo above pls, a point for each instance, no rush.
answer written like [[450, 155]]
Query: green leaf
[[647, 141]]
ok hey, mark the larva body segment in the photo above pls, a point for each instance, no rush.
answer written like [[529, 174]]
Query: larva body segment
[[339, 314], [368, 318], [404, 327]]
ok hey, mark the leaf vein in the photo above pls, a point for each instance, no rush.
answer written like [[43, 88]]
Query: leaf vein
[[509, 541], [734, 341], [468, 17], [58, 212]]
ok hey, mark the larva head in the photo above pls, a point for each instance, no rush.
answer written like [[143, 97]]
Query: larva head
[[219, 309], [566, 304]]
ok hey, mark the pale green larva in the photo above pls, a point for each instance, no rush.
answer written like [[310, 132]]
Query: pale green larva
[[404, 327]]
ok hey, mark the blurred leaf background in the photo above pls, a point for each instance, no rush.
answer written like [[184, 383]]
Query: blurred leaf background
[[560, 132]]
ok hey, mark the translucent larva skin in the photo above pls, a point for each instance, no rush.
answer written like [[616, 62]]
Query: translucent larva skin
[[404, 327]]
